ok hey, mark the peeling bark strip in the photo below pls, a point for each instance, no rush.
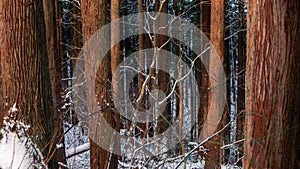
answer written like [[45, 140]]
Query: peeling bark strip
[[272, 76]]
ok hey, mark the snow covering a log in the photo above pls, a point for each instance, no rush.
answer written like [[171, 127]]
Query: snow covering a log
[[77, 150], [16, 148]]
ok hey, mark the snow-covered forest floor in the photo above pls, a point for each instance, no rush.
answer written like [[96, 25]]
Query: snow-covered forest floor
[[18, 151]]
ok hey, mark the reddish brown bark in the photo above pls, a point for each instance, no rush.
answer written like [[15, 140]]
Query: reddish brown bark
[[93, 18], [272, 76], [24, 68], [213, 157], [115, 61], [201, 70], [55, 57]]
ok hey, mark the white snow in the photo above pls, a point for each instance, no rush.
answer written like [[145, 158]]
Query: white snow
[[16, 148], [78, 149], [58, 146], [13, 153], [75, 142], [14, 108]]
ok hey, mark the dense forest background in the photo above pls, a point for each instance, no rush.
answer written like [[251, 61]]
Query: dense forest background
[[218, 80]]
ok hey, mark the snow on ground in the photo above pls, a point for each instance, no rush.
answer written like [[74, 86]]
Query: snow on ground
[[13, 153], [16, 148], [75, 142]]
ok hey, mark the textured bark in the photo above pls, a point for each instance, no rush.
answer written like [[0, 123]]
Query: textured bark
[[115, 36], [213, 158], [115, 61], [273, 63], [55, 57], [93, 18], [24, 67]]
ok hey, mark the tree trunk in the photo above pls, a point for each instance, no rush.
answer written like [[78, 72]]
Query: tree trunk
[[93, 18], [115, 61], [55, 57], [241, 79], [163, 78], [180, 102], [201, 71], [273, 63], [24, 68], [213, 157]]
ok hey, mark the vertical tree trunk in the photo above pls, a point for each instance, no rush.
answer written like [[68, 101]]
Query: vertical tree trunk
[[241, 66], [241, 78], [273, 64], [201, 71], [217, 51], [24, 67], [178, 49], [93, 18], [141, 39], [141, 47], [55, 57], [162, 77], [115, 61]]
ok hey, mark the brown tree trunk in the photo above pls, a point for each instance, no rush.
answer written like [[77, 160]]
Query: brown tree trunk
[[213, 157], [24, 68], [201, 71], [115, 61], [273, 64], [162, 77], [55, 57], [93, 18]]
